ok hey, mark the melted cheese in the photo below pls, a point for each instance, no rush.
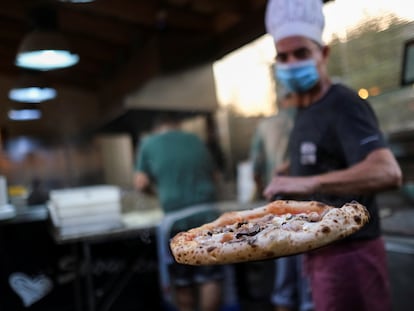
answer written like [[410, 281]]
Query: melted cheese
[[249, 229]]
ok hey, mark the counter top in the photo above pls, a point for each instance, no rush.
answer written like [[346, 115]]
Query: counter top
[[7, 211], [28, 214]]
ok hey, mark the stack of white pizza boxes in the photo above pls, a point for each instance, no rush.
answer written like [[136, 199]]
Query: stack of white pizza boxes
[[84, 210]]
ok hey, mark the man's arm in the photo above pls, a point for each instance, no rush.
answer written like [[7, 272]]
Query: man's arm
[[141, 181], [379, 171], [282, 169]]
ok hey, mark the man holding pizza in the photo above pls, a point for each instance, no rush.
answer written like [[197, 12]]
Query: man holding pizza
[[337, 154], [268, 153]]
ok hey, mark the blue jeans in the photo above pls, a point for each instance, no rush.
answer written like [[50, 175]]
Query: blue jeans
[[292, 288]]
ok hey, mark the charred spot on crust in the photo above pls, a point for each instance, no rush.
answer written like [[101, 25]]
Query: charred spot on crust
[[357, 219], [269, 254], [211, 248], [326, 229]]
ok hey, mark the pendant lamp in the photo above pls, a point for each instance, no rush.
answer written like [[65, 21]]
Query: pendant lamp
[[32, 94], [30, 88], [24, 114], [44, 48]]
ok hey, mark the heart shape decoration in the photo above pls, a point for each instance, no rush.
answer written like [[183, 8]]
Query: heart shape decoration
[[30, 289]]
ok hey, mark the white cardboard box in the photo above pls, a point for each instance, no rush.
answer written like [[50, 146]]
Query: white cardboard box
[[83, 196], [86, 208]]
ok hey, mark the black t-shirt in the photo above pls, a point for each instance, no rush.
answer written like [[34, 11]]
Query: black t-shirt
[[335, 133]]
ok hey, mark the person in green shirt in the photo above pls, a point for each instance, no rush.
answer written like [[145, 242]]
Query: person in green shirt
[[180, 167]]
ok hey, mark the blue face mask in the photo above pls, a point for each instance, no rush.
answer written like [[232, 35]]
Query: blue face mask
[[298, 77]]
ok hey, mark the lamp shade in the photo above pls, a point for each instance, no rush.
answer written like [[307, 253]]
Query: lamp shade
[[45, 50], [32, 94], [31, 88], [24, 114]]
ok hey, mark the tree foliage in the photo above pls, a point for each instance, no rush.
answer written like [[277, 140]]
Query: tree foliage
[[371, 55]]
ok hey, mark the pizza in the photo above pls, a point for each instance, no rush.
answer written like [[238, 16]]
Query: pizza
[[280, 228]]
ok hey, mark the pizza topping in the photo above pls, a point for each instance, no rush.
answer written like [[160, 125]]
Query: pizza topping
[[295, 225], [226, 237], [211, 248], [314, 217], [249, 231], [244, 229]]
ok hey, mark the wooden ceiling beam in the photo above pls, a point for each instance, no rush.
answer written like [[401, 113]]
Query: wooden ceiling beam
[[102, 28], [8, 69], [93, 48], [189, 21], [248, 29], [179, 51], [13, 10], [133, 12], [81, 78], [149, 14]]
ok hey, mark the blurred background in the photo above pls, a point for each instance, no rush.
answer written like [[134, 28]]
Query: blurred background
[[209, 61]]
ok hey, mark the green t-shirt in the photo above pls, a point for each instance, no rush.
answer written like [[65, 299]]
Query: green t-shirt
[[181, 167]]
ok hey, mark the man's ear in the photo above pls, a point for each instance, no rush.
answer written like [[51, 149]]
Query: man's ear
[[326, 50], [141, 181]]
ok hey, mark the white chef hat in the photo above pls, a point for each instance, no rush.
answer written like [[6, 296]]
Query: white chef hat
[[285, 18]]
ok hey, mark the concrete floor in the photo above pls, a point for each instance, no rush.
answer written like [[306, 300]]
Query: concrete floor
[[400, 252]]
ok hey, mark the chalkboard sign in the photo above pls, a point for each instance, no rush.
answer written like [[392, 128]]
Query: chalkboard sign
[[38, 274]]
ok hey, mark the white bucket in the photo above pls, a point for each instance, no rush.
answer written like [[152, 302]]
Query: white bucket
[[3, 191]]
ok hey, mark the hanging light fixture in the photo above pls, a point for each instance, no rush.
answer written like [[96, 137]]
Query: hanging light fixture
[[77, 1], [24, 114], [33, 94], [30, 88], [44, 48]]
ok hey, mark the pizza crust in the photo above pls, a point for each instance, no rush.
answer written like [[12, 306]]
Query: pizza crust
[[199, 246]]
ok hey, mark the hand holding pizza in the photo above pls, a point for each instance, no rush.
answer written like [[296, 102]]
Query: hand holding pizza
[[280, 228], [292, 186]]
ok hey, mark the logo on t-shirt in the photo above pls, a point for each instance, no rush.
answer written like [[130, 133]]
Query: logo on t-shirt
[[369, 139], [307, 153]]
